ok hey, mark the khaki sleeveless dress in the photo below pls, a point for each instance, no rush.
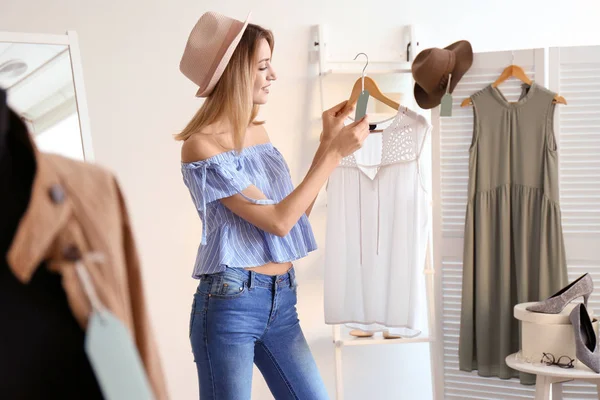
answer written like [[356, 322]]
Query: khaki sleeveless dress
[[513, 244]]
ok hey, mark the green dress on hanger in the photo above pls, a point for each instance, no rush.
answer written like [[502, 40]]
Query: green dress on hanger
[[513, 244]]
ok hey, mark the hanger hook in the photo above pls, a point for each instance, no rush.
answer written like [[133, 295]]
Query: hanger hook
[[366, 65], [364, 69], [513, 57]]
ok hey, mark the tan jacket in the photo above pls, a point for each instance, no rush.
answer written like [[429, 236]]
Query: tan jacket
[[77, 208]]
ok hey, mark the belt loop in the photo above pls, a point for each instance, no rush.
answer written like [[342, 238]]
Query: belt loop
[[251, 280]]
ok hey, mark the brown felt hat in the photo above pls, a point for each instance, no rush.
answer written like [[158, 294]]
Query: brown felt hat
[[432, 67]]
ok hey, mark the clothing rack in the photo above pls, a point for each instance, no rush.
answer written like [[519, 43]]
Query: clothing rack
[[327, 67]]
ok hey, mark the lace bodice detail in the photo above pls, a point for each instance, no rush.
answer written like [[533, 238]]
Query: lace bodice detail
[[399, 145], [400, 140]]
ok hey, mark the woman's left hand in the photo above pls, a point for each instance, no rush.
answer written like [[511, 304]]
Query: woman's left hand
[[333, 120]]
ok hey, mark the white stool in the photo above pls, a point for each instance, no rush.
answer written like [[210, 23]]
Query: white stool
[[549, 375]]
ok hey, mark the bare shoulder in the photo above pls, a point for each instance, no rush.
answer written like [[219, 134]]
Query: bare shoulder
[[259, 133], [201, 146]]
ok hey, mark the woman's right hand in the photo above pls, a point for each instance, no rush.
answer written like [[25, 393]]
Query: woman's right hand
[[333, 120], [351, 137]]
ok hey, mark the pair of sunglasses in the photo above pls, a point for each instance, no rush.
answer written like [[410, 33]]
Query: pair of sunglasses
[[562, 361]]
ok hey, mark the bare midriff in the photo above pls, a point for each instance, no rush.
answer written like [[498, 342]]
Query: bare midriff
[[272, 268]]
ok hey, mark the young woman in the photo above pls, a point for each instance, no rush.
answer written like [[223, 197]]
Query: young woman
[[254, 222]]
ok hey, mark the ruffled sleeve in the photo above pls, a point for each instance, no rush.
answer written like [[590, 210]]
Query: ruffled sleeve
[[211, 180]]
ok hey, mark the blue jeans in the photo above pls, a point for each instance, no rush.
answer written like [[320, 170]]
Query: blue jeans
[[240, 317]]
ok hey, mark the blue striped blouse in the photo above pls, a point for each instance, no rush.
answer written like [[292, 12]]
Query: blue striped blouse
[[227, 239]]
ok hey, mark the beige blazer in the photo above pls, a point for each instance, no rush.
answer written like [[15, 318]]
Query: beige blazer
[[76, 209]]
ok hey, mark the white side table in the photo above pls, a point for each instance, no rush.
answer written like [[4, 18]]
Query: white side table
[[549, 375]]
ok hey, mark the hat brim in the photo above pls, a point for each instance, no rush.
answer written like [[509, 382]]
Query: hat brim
[[463, 53], [427, 100], [205, 92]]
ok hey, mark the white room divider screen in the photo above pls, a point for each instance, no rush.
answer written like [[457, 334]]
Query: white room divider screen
[[575, 74]]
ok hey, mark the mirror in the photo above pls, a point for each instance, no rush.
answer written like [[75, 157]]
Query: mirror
[[39, 74]]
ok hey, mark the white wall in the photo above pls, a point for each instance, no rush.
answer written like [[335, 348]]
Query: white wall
[[138, 98]]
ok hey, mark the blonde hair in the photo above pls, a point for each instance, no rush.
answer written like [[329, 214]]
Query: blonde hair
[[231, 98]]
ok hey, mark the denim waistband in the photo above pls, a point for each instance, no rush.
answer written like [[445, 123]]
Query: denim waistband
[[256, 279]]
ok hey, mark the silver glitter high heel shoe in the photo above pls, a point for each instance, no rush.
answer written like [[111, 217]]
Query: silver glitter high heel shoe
[[582, 286], [586, 343]]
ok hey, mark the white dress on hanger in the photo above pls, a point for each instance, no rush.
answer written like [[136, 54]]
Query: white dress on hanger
[[378, 229]]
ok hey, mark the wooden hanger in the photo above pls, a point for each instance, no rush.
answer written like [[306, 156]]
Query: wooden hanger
[[513, 71], [371, 86], [374, 91]]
